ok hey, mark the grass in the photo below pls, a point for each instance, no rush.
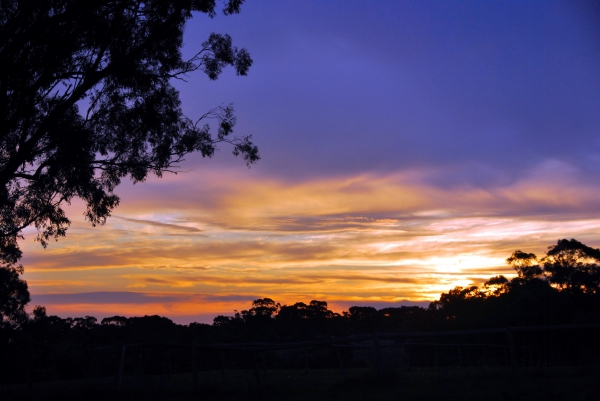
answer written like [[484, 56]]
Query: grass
[[448, 384]]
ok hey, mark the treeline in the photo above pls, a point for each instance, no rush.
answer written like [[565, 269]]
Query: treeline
[[562, 287]]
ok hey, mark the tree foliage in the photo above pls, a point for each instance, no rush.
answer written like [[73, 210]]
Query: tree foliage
[[86, 99], [14, 296], [556, 288], [573, 266], [525, 264]]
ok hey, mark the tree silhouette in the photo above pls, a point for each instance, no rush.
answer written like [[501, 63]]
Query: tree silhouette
[[525, 264], [115, 320], [560, 287], [263, 309], [361, 313], [14, 296], [39, 313], [462, 304], [573, 266], [86, 100], [496, 286]]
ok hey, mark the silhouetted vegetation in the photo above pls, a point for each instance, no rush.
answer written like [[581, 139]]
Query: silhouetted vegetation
[[14, 296], [560, 288], [86, 100]]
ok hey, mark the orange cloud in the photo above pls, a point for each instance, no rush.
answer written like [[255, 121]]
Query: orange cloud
[[371, 237]]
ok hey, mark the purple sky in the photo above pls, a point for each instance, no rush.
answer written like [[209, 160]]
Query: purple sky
[[483, 91]]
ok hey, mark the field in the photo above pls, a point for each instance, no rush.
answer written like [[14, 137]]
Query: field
[[464, 384]]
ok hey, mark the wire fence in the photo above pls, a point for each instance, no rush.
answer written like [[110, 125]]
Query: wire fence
[[516, 347], [544, 346]]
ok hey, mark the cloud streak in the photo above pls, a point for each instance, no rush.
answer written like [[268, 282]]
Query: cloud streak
[[167, 226]]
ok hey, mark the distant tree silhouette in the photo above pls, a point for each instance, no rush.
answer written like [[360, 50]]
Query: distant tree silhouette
[[496, 286], [86, 100], [314, 310], [525, 264], [259, 320], [319, 310], [222, 320], [364, 318], [574, 267], [150, 328], [460, 304], [39, 313], [297, 311], [86, 322], [361, 313], [115, 320], [263, 309]]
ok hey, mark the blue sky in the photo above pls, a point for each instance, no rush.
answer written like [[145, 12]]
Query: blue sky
[[349, 87]]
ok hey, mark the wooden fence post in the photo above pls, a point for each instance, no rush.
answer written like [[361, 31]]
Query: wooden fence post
[[306, 360], [264, 361], [169, 367], [29, 355], [222, 364], [378, 357], [511, 345], [141, 366], [339, 356], [121, 367], [255, 363], [161, 364], [194, 366]]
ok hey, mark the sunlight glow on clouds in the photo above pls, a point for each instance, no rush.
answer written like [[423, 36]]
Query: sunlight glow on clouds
[[366, 238]]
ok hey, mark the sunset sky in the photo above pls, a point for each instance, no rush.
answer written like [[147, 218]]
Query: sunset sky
[[407, 148]]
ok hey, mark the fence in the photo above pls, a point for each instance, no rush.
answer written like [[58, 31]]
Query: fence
[[573, 345], [568, 345]]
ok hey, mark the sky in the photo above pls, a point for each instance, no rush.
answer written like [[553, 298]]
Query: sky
[[407, 147]]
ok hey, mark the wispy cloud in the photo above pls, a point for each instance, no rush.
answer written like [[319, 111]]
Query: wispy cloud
[[153, 223]]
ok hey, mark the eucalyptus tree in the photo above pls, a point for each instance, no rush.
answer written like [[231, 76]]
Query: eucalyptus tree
[[87, 99], [14, 296]]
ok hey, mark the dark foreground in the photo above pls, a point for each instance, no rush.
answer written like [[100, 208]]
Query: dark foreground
[[464, 384]]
